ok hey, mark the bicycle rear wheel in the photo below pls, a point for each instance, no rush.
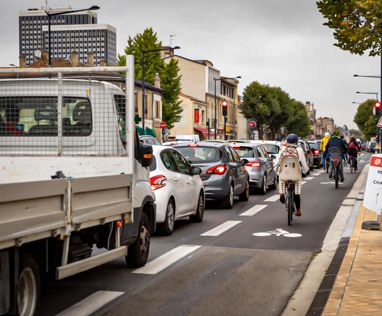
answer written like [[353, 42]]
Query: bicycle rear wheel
[[290, 202], [336, 179]]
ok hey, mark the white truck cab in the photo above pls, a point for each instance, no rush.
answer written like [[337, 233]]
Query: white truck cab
[[74, 176]]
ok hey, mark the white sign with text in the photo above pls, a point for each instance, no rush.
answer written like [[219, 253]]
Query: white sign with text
[[373, 191]]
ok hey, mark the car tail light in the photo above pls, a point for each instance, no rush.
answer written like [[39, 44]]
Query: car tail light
[[254, 164], [192, 145], [158, 182], [316, 152], [236, 147], [218, 169]]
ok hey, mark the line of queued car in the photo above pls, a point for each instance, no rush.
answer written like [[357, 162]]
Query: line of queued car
[[185, 175]]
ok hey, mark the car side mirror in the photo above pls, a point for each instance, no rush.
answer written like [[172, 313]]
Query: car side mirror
[[196, 170], [273, 157], [145, 155], [243, 162]]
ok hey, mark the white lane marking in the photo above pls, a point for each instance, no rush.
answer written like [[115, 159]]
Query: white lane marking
[[167, 259], [272, 198], [221, 228], [254, 210], [316, 174], [303, 182], [309, 178], [91, 303]]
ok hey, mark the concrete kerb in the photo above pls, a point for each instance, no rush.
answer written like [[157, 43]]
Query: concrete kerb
[[302, 298]]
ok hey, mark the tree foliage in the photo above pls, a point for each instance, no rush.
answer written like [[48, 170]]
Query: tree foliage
[[273, 108], [153, 63], [365, 119], [357, 24]]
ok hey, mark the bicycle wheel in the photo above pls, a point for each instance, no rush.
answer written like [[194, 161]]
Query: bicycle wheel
[[351, 165], [336, 179], [290, 206]]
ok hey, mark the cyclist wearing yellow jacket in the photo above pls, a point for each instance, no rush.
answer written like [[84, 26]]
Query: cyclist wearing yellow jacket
[[324, 142]]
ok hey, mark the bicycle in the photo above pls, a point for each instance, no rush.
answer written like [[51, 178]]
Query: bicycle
[[336, 164], [289, 201], [352, 164]]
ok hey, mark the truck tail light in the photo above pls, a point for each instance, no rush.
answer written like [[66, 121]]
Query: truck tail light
[[254, 164], [157, 182], [218, 169]]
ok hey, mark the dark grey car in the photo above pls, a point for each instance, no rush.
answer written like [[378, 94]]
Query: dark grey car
[[223, 173]]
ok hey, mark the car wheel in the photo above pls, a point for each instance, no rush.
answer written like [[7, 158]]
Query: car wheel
[[167, 228], [263, 188], [228, 200], [198, 216], [28, 287], [138, 251], [245, 195]]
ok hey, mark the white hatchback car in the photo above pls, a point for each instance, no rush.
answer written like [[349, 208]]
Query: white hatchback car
[[178, 189]]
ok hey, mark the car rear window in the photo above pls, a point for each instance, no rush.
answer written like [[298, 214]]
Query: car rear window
[[272, 149], [201, 154], [313, 146], [244, 152]]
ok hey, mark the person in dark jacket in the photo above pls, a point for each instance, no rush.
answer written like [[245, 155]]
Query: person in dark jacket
[[336, 144]]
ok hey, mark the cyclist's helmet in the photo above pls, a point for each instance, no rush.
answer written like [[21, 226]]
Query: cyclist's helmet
[[292, 139]]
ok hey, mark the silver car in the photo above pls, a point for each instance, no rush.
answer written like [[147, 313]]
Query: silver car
[[259, 166]]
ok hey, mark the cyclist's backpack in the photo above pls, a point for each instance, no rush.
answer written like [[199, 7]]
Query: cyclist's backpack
[[290, 169], [352, 145]]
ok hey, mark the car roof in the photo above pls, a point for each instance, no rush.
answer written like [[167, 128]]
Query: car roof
[[204, 144]]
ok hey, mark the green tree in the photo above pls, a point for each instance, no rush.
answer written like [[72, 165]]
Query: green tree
[[365, 119], [153, 63], [357, 24], [298, 120]]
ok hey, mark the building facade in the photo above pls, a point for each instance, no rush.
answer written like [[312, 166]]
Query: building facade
[[69, 32], [203, 91]]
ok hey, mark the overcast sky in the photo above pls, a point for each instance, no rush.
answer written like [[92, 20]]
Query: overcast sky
[[277, 42]]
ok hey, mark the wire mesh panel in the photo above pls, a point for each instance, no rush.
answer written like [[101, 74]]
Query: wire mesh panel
[[66, 112]]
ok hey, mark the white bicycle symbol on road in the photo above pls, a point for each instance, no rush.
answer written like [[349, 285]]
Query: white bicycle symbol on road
[[278, 232]]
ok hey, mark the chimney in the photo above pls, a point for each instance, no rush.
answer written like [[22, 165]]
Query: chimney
[[102, 63], [157, 80], [22, 61], [90, 59], [74, 59]]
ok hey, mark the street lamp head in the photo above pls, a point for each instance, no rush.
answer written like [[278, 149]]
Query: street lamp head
[[94, 7], [355, 75], [176, 47], [238, 77], [357, 92]]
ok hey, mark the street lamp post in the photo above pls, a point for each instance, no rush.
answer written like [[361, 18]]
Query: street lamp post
[[375, 93], [215, 104], [143, 77], [49, 15]]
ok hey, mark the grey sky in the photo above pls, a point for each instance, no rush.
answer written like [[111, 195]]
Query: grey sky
[[278, 42]]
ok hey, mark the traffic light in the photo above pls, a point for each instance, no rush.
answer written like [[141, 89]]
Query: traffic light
[[225, 107], [378, 108]]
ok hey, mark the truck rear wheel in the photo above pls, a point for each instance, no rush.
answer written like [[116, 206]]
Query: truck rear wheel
[[28, 287], [138, 252]]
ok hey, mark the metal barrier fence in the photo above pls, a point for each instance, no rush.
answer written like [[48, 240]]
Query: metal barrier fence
[[83, 111]]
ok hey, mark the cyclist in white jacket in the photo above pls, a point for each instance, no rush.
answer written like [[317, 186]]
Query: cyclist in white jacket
[[292, 149]]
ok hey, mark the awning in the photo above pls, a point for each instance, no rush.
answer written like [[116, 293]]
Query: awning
[[148, 131], [203, 130]]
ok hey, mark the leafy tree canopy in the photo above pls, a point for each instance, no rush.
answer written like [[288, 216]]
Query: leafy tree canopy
[[365, 119], [153, 63], [357, 24]]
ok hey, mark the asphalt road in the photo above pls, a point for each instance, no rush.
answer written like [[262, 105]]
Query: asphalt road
[[217, 267]]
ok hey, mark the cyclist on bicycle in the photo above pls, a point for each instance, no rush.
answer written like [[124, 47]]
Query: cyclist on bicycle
[[353, 149], [292, 149], [336, 143]]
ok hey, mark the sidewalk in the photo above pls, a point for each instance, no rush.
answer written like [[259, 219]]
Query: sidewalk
[[358, 287]]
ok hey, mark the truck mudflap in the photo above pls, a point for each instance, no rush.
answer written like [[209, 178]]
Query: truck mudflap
[[4, 282]]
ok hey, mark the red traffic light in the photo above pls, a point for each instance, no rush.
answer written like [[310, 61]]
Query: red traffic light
[[224, 104], [378, 105], [252, 124]]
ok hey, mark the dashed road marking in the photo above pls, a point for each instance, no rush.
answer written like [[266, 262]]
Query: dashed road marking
[[167, 259], [316, 174], [254, 210], [303, 182], [272, 198], [309, 178], [221, 228], [91, 303]]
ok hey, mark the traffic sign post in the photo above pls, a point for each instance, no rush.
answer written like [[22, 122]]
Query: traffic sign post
[[163, 126]]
